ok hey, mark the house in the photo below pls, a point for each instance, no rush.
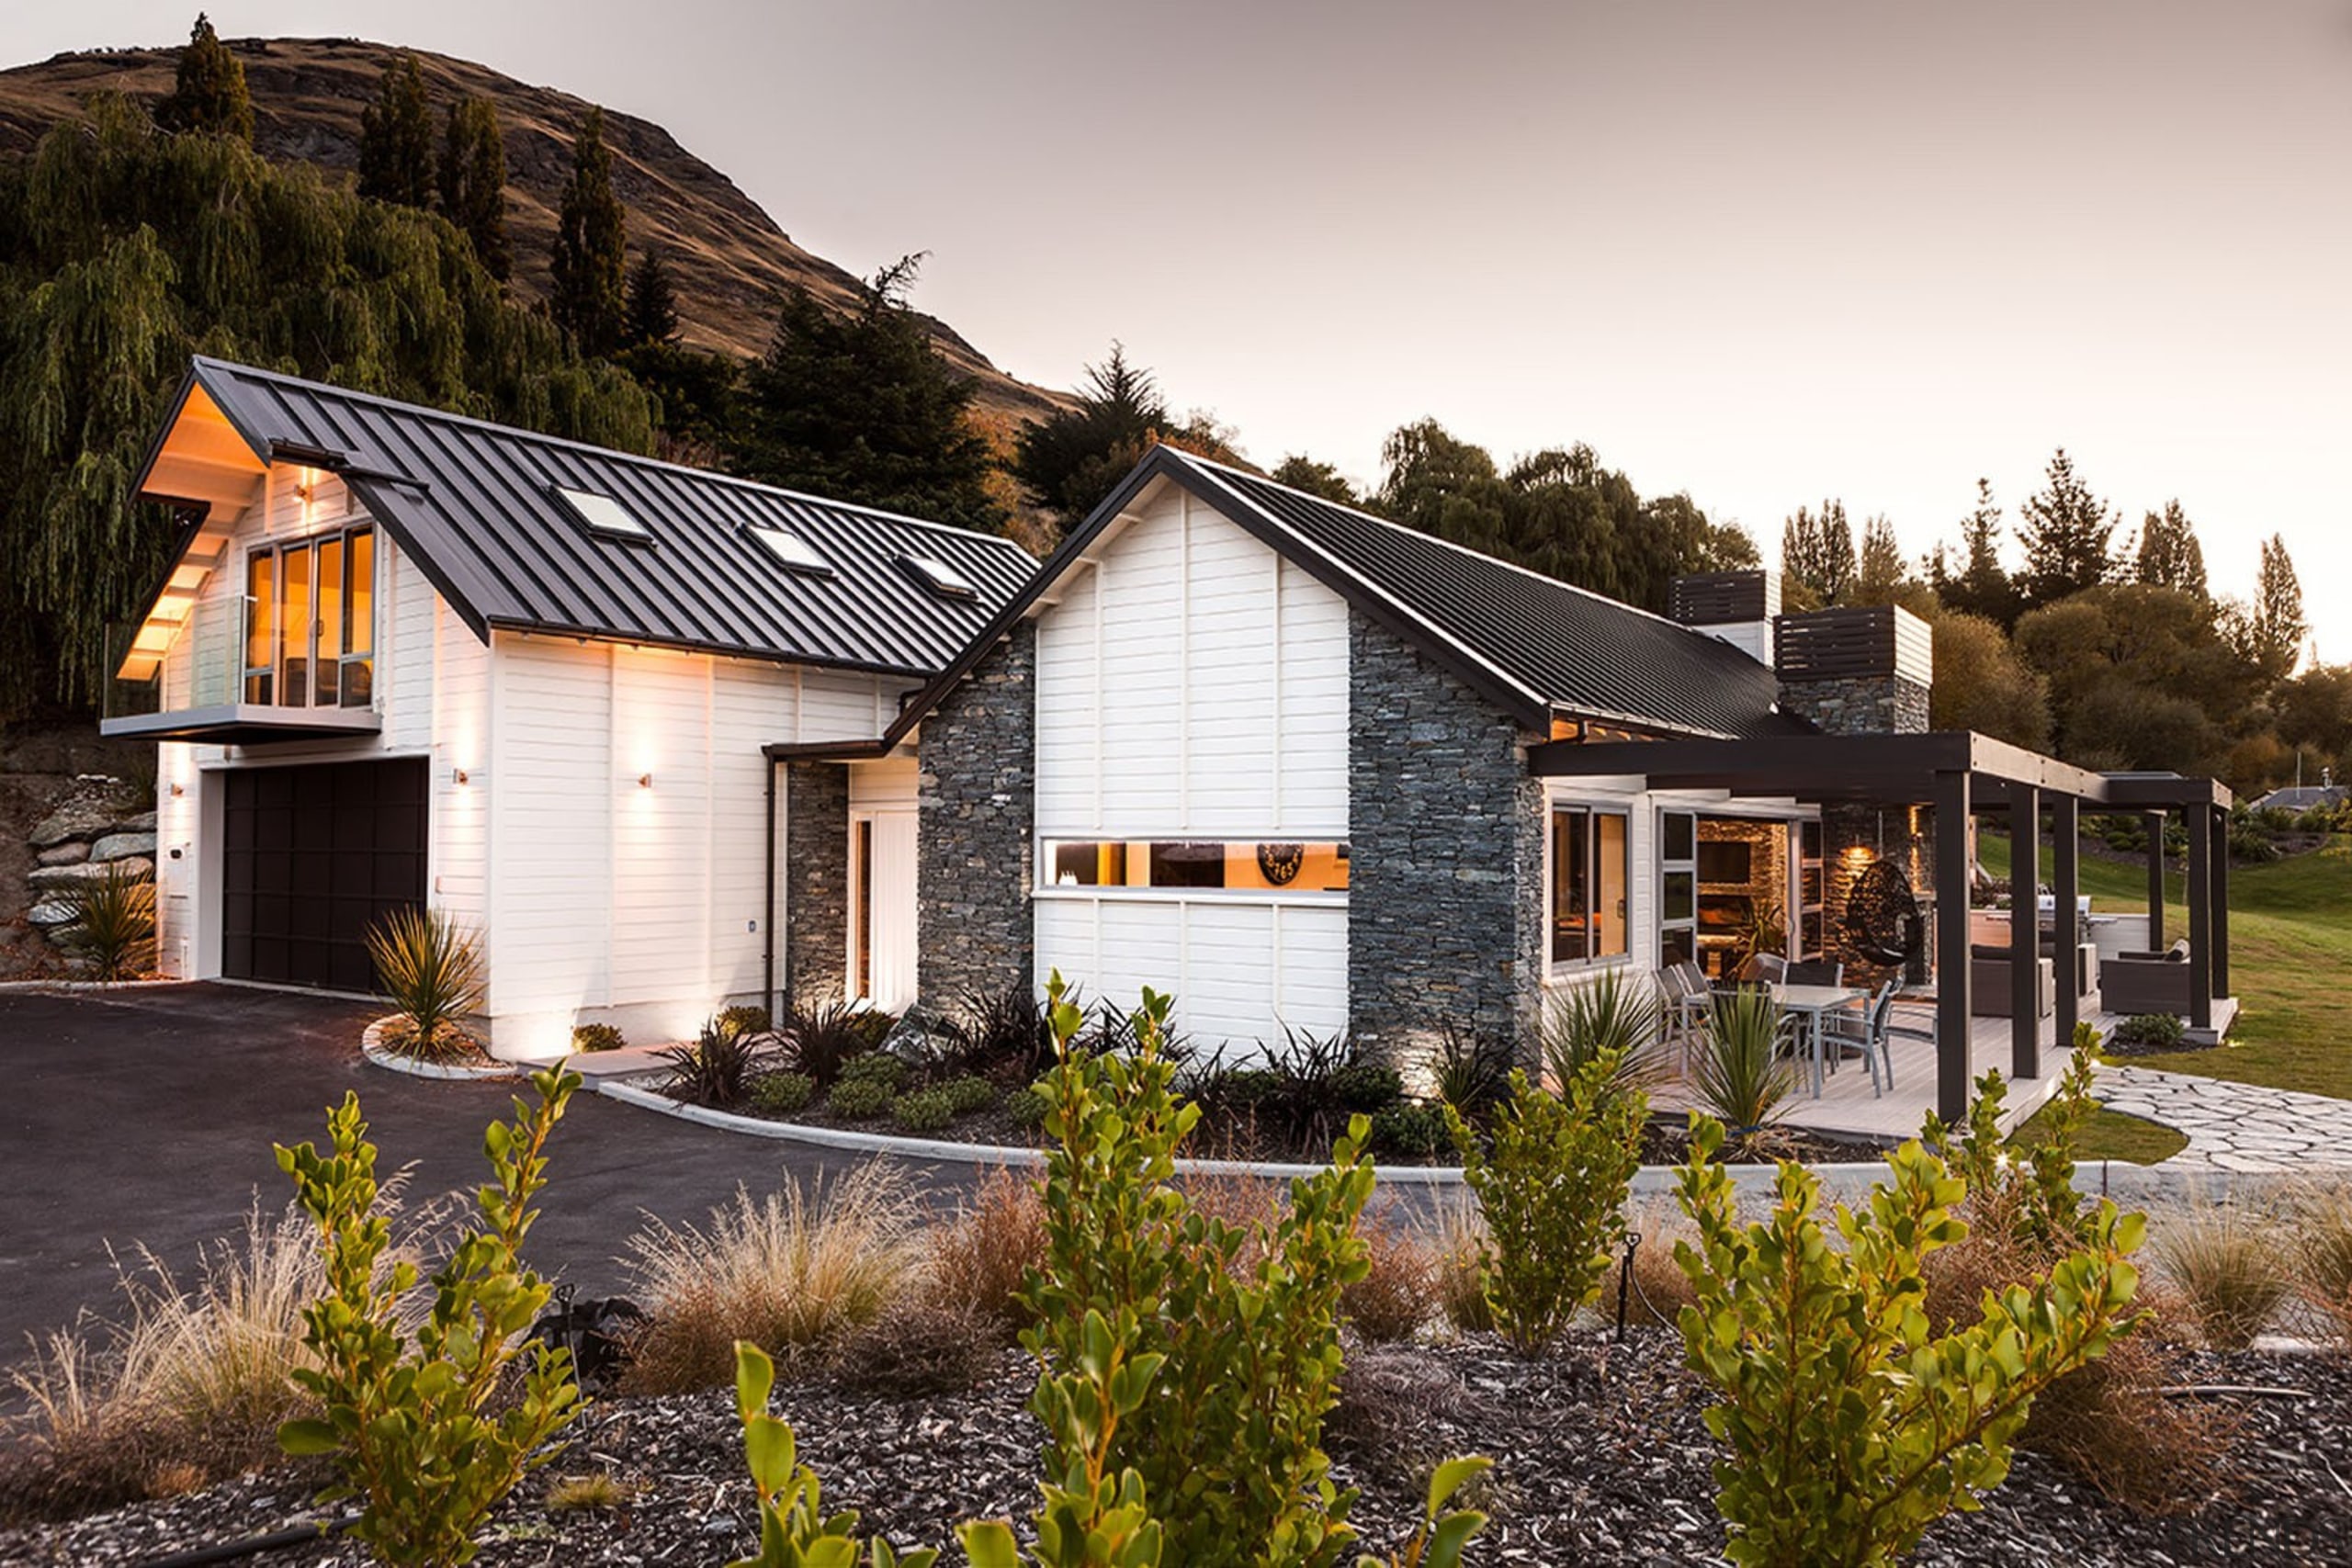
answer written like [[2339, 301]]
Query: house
[[403, 658], [1313, 772], [2323, 796]]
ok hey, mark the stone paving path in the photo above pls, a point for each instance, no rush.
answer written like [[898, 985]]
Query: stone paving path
[[2234, 1126]]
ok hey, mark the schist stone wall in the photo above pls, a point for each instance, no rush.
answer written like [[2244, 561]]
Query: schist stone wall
[[1445, 830], [1860, 705], [816, 866], [978, 811]]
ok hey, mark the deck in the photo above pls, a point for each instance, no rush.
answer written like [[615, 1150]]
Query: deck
[[1847, 1108]]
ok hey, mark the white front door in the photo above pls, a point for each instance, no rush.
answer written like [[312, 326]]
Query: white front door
[[882, 907]]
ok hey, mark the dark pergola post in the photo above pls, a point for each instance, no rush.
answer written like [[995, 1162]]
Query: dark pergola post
[[1951, 945], [2200, 819], [2025, 931], [2065, 876], [2155, 825], [2221, 915]]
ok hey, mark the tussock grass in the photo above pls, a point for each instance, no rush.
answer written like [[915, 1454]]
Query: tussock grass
[[595, 1491], [982, 1255], [794, 1272], [2227, 1269], [1397, 1294], [1660, 1288], [1461, 1275], [186, 1385]]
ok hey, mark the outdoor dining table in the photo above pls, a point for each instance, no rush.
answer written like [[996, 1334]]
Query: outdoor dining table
[[1811, 1004]]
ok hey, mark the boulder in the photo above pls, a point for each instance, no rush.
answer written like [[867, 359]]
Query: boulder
[[72, 853], [83, 816], [124, 846], [51, 913], [62, 878], [139, 823]]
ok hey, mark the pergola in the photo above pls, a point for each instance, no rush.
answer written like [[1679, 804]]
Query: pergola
[[1959, 773]]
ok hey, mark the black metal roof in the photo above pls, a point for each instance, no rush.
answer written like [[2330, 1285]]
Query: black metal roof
[[1535, 644], [475, 504]]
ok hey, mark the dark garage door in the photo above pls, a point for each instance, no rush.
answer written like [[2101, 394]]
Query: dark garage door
[[313, 856]]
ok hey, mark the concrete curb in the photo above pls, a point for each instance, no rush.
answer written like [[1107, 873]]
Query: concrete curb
[[1650, 1179], [71, 987], [372, 1046]]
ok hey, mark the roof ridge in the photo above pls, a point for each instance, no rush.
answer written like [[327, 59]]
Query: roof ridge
[[1407, 529], [613, 453]]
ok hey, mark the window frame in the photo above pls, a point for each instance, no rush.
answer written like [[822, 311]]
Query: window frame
[[1592, 812], [350, 650], [1044, 886]]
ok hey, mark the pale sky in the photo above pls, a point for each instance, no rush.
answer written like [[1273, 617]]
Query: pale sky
[[1762, 252]]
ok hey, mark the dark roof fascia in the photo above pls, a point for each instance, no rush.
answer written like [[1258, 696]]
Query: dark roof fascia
[[2150, 794], [1166, 462], [389, 516], [827, 751]]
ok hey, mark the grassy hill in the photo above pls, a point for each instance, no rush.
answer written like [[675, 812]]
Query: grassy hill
[[2290, 959], [731, 261]]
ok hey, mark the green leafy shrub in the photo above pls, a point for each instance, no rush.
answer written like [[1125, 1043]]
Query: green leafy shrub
[[968, 1094], [2148, 1033], [1852, 1426], [745, 1017], [781, 1094], [1552, 1194], [2026, 1201], [877, 1067], [859, 1100], [1410, 1131], [795, 1529], [1367, 1087], [431, 970], [1616, 1012], [1231, 1090], [1027, 1106], [597, 1037], [921, 1110], [1215, 1374], [429, 1431], [717, 1069], [1737, 1074], [111, 923]]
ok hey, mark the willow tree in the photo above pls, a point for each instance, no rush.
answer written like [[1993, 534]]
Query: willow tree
[[121, 252]]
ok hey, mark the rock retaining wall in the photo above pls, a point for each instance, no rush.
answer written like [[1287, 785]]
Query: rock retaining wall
[[87, 836]]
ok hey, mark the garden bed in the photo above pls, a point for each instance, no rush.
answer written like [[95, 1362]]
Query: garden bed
[[1602, 1459]]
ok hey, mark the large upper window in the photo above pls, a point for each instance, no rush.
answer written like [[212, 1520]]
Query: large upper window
[[310, 638], [1230, 865], [1588, 883]]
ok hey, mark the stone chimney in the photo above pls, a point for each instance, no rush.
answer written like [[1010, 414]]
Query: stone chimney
[[1861, 671], [1737, 607]]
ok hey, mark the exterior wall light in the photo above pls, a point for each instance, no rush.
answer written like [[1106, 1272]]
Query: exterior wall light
[[645, 781], [459, 776]]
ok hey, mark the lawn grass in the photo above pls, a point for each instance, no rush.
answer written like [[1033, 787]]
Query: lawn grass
[[2108, 1135], [2291, 963]]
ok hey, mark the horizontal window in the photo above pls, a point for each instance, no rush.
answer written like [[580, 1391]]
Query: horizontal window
[[1235, 865]]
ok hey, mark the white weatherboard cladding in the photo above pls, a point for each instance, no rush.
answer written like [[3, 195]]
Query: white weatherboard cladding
[[637, 900], [1193, 684]]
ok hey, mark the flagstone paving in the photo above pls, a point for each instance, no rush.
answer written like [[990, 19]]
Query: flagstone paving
[[2234, 1127]]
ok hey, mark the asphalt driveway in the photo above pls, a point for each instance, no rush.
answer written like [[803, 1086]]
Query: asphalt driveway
[[148, 1115]]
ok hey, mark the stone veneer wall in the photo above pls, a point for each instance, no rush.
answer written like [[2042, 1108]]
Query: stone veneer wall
[[1445, 879], [1860, 705], [816, 881], [978, 819]]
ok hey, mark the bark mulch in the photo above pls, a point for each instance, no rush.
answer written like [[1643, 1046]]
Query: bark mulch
[[1602, 1459]]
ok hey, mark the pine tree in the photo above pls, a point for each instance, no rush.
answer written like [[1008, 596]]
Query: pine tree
[[2068, 534], [2275, 621], [396, 138], [1882, 572], [860, 407], [1817, 554], [2170, 556], [651, 315], [208, 96], [1068, 462], [473, 181], [1983, 586], [591, 258]]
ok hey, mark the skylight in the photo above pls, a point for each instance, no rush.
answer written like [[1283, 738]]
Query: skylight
[[792, 550], [602, 514], [940, 578]]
